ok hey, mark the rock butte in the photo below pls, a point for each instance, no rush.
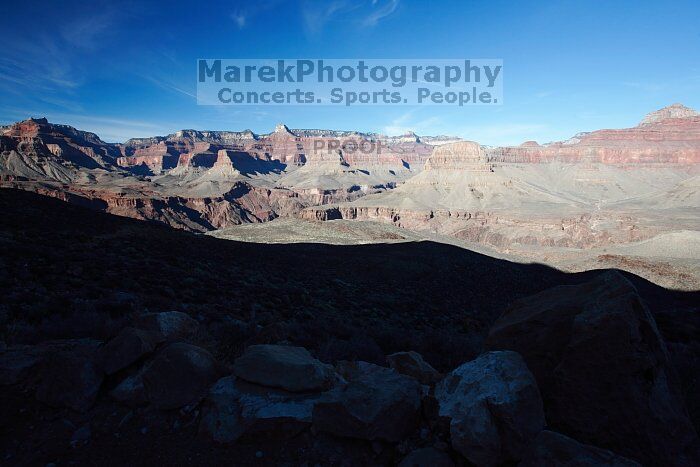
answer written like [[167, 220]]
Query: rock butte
[[599, 189]]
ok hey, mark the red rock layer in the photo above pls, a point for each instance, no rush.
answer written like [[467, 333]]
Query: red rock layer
[[658, 140]]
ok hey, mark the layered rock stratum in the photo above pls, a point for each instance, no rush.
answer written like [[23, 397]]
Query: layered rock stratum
[[205, 180], [599, 191], [611, 194]]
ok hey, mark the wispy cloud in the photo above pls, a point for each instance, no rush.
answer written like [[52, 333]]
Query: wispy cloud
[[163, 72], [54, 61], [167, 84], [39, 71], [246, 11], [380, 10], [87, 32], [407, 122], [40, 65], [238, 19], [316, 14]]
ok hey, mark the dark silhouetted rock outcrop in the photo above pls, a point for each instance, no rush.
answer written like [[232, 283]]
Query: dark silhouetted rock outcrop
[[603, 369], [680, 329]]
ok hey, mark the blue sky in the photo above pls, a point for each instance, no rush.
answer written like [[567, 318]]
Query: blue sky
[[129, 69]]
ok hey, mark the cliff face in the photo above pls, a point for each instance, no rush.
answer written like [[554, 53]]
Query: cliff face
[[194, 173], [76, 166], [599, 188], [36, 148], [242, 204], [672, 112], [463, 155], [529, 194], [667, 136], [293, 148]]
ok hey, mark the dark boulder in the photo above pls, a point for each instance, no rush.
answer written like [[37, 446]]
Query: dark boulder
[[131, 391], [126, 348], [412, 364], [377, 403], [493, 407], [680, 329], [168, 325], [179, 375], [283, 366], [602, 368], [236, 408]]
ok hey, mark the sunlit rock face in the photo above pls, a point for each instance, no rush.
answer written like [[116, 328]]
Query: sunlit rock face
[[292, 147], [463, 155], [674, 111], [667, 136], [600, 189]]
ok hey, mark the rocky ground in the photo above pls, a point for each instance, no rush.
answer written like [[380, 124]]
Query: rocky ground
[[336, 232], [128, 342], [670, 260]]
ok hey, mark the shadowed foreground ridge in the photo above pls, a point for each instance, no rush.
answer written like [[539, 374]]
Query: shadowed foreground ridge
[[92, 373]]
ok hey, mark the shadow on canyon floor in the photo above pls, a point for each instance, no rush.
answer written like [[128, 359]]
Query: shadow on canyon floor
[[68, 272]]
